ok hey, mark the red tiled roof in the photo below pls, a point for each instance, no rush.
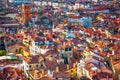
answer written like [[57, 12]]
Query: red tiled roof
[[13, 72], [35, 59], [110, 27], [51, 52], [116, 36], [103, 35], [99, 8], [63, 68], [34, 72], [40, 28], [49, 37], [73, 60], [84, 78], [37, 38], [19, 35], [50, 64], [3, 76], [12, 45], [61, 75], [89, 30], [96, 32], [70, 66], [104, 74], [45, 78], [75, 17]]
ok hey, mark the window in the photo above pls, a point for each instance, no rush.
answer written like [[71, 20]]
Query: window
[[66, 49], [41, 65], [57, 55], [2, 44], [16, 50], [37, 66], [30, 66], [69, 49]]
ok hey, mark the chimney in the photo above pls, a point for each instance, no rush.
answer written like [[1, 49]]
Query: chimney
[[107, 77], [57, 69], [42, 72], [51, 58], [74, 65], [35, 74], [113, 52], [68, 67]]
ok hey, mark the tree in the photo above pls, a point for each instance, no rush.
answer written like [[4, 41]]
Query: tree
[[20, 51], [2, 52]]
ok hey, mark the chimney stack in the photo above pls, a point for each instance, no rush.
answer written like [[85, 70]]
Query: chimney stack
[[57, 69], [68, 67]]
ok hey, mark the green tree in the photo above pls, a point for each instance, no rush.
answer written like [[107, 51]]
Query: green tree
[[20, 51], [2, 52]]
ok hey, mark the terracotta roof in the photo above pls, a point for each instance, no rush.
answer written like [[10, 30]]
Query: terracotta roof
[[3, 76], [40, 28], [94, 77], [46, 78], [99, 8], [84, 78], [103, 35], [33, 59], [89, 30], [35, 38], [61, 75], [104, 75], [116, 36], [13, 72], [70, 66], [63, 68], [50, 64], [75, 17], [36, 72], [76, 41], [19, 35], [49, 37], [73, 60], [11, 45], [52, 52]]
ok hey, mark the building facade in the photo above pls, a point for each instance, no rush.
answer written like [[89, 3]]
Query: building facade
[[20, 1]]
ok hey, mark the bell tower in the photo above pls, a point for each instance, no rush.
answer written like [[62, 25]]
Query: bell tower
[[25, 13]]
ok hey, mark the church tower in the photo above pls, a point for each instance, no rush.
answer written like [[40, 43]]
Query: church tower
[[26, 11]]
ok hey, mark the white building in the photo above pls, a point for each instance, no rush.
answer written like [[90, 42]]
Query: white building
[[81, 71], [35, 49]]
